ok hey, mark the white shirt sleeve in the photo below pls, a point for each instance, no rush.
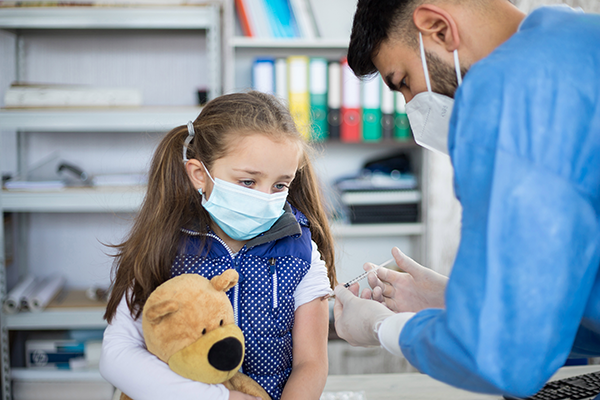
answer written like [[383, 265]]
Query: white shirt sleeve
[[128, 365], [390, 329], [315, 283]]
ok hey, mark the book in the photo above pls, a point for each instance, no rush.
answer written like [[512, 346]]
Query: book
[[281, 19], [350, 111], [401, 125], [263, 75], [53, 354], [243, 13], [334, 99], [281, 84], [387, 112], [258, 16], [371, 111], [299, 102], [318, 98], [34, 95], [304, 18]]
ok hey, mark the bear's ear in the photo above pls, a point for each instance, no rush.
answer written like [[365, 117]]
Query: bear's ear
[[225, 281], [156, 312]]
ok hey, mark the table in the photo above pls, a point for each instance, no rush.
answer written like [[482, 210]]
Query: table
[[415, 386]]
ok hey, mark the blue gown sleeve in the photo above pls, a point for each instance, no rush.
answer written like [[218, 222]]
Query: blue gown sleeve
[[528, 255]]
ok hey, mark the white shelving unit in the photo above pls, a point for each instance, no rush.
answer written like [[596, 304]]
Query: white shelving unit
[[206, 19]]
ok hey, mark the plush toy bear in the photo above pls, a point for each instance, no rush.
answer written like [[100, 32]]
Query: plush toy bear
[[188, 323]]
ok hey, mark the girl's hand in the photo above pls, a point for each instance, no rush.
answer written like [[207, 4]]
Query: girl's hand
[[414, 290], [234, 395]]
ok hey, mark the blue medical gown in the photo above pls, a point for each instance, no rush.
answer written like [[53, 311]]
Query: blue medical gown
[[524, 292]]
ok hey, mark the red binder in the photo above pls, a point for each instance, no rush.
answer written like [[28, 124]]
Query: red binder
[[350, 128]]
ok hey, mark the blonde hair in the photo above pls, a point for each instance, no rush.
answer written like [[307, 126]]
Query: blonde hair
[[143, 261]]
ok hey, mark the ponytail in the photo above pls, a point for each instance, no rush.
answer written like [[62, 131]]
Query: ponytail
[[143, 261]]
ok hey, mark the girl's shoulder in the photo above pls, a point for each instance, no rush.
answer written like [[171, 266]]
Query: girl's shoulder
[[300, 217]]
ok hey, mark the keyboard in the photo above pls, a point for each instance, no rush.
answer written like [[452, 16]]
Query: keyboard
[[580, 387]]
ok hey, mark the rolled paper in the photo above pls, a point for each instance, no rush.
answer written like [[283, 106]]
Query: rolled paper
[[44, 292], [12, 303]]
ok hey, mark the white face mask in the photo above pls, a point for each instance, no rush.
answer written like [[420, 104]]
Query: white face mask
[[429, 113]]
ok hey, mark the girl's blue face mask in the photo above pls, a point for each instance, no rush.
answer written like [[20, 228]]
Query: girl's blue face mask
[[242, 213]]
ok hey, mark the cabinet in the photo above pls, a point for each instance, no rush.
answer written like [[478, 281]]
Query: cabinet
[[176, 35]]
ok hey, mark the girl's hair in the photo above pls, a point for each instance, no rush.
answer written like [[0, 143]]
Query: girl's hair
[[143, 261]]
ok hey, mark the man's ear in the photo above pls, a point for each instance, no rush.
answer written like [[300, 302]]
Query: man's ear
[[437, 23], [196, 173]]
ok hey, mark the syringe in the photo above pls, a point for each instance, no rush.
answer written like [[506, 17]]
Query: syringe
[[388, 263], [362, 276]]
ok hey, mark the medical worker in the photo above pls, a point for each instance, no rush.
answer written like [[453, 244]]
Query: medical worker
[[523, 133]]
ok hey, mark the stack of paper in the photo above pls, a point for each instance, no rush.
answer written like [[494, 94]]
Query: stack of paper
[[29, 95]]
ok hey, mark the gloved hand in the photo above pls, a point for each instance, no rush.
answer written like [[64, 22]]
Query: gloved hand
[[356, 319], [416, 289]]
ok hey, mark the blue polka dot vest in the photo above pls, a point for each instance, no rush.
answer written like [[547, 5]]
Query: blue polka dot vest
[[263, 300]]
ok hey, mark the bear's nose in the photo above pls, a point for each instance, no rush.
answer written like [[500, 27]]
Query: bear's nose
[[226, 354]]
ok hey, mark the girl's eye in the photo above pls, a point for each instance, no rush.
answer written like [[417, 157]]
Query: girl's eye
[[403, 83], [281, 186], [247, 183]]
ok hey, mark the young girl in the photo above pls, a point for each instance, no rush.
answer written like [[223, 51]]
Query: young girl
[[235, 189]]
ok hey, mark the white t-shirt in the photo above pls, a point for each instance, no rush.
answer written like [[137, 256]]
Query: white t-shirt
[[129, 366]]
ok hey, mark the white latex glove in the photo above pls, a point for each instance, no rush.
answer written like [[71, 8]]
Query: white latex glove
[[356, 319], [416, 289]]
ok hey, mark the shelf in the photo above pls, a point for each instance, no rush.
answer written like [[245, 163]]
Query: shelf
[[72, 318], [375, 230], [32, 374], [184, 17], [115, 199], [246, 42], [110, 119]]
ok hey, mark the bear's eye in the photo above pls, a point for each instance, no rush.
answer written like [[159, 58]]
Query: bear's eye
[[204, 331], [221, 323]]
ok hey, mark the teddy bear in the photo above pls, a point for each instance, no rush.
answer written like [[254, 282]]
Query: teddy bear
[[188, 323]]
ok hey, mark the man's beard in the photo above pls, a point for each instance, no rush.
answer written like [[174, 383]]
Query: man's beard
[[442, 75]]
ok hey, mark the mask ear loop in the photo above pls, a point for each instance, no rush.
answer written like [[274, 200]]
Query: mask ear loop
[[457, 68], [424, 62], [191, 133]]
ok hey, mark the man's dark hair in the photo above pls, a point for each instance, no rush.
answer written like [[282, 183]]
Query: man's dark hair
[[374, 21]]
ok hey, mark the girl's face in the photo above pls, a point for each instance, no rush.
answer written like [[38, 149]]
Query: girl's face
[[258, 162]]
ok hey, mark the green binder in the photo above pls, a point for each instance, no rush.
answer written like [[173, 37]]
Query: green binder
[[318, 98]]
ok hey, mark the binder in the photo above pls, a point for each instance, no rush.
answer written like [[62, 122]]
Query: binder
[[243, 12], [401, 125], [318, 98], [281, 78], [387, 112], [263, 75], [334, 99], [298, 93], [350, 111], [371, 111]]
